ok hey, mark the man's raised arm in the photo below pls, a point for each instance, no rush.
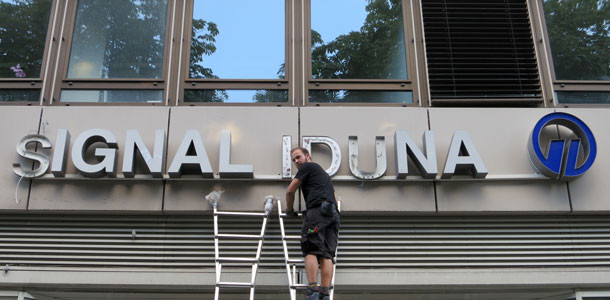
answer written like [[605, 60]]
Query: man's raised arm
[[290, 192]]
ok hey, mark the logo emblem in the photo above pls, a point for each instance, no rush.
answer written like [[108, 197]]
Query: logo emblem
[[564, 159]]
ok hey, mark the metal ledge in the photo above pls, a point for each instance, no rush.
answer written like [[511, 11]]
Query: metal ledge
[[278, 178]]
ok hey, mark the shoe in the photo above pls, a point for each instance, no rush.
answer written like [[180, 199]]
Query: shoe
[[313, 296]]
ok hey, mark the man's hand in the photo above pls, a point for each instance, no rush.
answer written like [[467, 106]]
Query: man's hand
[[291, 213]]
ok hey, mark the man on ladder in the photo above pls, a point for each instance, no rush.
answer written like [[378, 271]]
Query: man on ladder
[[321, 221]]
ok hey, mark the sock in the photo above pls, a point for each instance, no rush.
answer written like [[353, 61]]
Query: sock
[[324, 290], [313, 287]]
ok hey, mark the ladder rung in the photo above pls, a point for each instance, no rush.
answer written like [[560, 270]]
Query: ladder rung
[[237, 213], [237, 259], [235, 284], [283, 215], [296, 261], [292, 237], [300, 286], [240, 236]]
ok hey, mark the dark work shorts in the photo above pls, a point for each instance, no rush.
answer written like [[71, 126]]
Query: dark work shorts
[[321, 242]]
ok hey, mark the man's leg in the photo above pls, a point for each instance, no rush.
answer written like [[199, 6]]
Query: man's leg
[[326, 265], [327, 275], [311, 267]]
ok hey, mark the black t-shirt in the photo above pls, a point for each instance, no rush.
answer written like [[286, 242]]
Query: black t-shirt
[[315, 184]]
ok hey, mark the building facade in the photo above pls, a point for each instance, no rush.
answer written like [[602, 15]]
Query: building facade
[[466, 140]]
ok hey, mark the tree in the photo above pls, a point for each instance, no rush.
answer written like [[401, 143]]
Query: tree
[[376, 51], [203, 37], [23, 32], [118, 39], [271, 96], [214, 96], [579, 33], [202, 43]]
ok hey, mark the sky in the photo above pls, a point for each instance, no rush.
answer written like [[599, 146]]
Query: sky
[[332, 18], [252, 38], [250, 43]]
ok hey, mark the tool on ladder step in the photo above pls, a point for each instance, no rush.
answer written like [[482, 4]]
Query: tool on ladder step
[[213, 198]]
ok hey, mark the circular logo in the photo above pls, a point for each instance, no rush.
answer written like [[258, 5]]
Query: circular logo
[[563, 159]]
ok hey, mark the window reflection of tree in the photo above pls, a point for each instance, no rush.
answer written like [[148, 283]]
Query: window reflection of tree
[[203, 37], [271, 96], [23, 31], [376, 51], [129, 34], [579, 33], [19, 95], [202, 44]]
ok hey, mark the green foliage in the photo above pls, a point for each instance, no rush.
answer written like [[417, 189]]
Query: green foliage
[[271, 96], [23, 31], [377, 51], [359, 96], [203, 37], [129, 34], [19, 95], [202, 44], [210, 96], [581, 97], [579, 32]]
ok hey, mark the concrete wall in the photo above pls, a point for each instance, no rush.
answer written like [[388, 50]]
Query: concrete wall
[[15, 123], [499, 134], [500, 137]]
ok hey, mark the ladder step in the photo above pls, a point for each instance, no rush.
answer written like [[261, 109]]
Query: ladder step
[[237, 259], [235, 284], [237, 213], [300, 286], [296, 261], [240, 236], [292, 237], [284, 215]]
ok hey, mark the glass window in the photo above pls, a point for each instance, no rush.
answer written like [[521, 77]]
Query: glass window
[[236, 96], [23, 31], [15, 95], [579, 34], [238, 39], [357, 96], [112, 96], [367, 43], [579, 97], [118, 39]]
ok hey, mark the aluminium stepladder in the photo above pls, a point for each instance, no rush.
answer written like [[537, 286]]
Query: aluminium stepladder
[[255, 261], [293, 286]]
